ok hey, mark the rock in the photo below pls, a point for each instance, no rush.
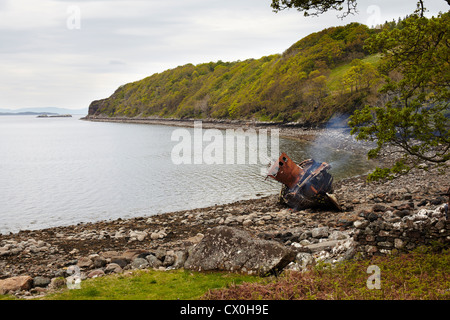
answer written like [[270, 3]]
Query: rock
[[141, 237], [153, 261], [420, 216], [378, 208], [231, 249], [371, 216], [247, 223], [358, 224], [4, 251], [119, 235], [305, 235], [113, 268], [154, 236], [401, 213], [99, 262], [137, 235], [337, 235], [109, 254], [304, 260], [386, 244], [398, 243], [398, 194], [121, 261], [96, 273], [168, 260], [84, 262], [195, 239], [57, 283], [321, 232], [229, 220], [180, 259], [15, 284], [160, 253], [422, 203], [139, 263], [440, 225], [436, 201], [405, 206], [305, 242], [324, 246], [41, 282], [132, 254]]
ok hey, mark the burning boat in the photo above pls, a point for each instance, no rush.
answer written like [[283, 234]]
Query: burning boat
[[305, 185]]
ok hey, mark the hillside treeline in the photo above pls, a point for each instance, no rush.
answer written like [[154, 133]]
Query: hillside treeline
[[325, 73]]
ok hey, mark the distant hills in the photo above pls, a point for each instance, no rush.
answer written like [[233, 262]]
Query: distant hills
[[37, 111], [324, 74]]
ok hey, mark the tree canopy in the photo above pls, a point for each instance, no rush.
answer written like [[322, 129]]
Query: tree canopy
[[415, 118], [316, 7]]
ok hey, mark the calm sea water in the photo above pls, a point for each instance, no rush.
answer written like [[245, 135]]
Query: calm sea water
[[62, 171]]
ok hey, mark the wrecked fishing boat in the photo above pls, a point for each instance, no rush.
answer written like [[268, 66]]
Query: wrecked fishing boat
[[305, 185]]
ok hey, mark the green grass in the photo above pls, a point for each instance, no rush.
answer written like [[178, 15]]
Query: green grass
[[151, 285]]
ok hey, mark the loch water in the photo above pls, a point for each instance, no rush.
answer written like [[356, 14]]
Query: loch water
[[63, 171]]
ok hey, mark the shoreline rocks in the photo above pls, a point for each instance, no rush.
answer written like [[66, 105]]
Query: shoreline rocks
[[392, 232]]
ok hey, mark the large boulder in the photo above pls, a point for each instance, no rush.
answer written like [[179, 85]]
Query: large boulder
[[15, 284], [231, 249]]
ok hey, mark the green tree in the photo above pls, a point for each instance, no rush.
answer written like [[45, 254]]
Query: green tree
[[415, 119], [315, 89], [361, 76]]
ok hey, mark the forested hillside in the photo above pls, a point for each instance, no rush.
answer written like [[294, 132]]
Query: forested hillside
[[322, 74]]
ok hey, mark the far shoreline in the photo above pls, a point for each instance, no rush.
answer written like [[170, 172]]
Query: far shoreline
[[290, 130]]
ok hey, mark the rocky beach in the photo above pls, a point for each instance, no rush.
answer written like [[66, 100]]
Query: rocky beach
[[378, 218]]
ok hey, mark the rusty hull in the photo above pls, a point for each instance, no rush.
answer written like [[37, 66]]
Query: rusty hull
[[305, 185]]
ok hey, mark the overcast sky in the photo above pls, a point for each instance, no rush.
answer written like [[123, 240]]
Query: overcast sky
[[58, 53]]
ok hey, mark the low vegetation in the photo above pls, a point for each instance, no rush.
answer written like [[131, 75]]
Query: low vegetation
[[421, 275], [151, 285]]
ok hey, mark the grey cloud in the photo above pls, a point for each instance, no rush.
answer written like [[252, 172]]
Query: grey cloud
[[122, 41]]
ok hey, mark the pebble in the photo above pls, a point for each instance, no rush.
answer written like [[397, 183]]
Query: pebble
[[321, 232], [246, 223], [154, 236]]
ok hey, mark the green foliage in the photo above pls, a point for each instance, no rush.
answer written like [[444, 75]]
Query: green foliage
[[151, 285], [272, 88], [361, 76], [319, 7], [417, 77]]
